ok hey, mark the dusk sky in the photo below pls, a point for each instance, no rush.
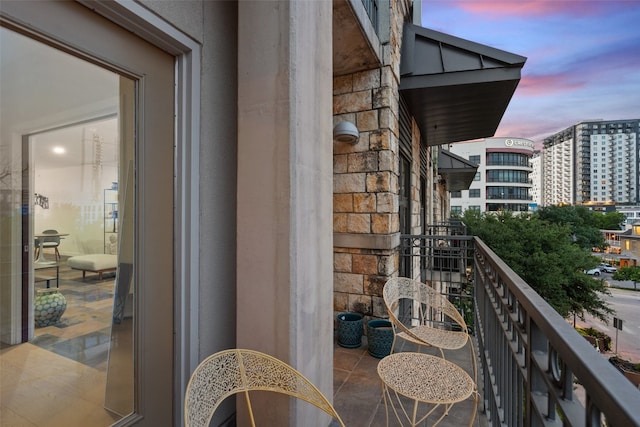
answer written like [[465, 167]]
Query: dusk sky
[[583, 57]]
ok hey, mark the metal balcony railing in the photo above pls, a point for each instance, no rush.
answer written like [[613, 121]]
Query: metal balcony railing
[[535, 369]]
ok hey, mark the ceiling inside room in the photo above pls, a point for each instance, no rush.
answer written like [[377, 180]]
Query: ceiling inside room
[[59, 100]]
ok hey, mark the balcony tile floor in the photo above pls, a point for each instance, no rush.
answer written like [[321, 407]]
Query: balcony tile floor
[[357, 390]]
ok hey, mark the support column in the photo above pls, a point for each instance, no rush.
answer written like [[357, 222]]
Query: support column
[[285, 263]]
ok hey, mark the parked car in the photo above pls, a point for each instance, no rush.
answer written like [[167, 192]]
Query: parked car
[[607, 268], [593, 272]]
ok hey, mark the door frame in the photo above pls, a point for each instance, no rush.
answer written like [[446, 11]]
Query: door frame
[[149, 27], [161, 34]]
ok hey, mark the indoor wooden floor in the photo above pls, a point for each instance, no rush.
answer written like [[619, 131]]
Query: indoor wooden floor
[[59, 378]]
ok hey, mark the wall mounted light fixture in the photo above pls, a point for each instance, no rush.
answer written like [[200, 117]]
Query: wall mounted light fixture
[[346, 132]]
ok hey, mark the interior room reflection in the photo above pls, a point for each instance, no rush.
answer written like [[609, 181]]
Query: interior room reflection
[[64, 361]]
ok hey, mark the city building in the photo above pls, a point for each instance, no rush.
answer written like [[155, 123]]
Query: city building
[[247, 215], [630, 246], [536, 178], [592, 162], [631, 213], [503, 179]]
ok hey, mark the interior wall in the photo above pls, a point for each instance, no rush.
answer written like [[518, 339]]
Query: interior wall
[[76, 207]]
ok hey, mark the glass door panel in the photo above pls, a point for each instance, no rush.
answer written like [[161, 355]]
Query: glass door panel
[[67, 215]]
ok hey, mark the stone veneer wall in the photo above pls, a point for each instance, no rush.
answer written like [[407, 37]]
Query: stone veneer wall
[[365, 192], [365, 195]]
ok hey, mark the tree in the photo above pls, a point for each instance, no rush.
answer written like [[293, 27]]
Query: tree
[[628, 273], [584, 224], [546, 257], [610, 220]]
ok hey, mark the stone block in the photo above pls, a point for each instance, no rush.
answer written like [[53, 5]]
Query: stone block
[[340, 223], [364, 202], [387, 118], [340, 301], [379, 308], [387, 203], [348, 282], [381, 223], [365, 264], [342, 262], [386, 160], [363, 162], [380, 139], [359, 303], [343, 202], [381, 97], [367, 120], [340, 163], [366, 79], [387, 264], [343, 84], [358, 223], [374, 284], [350, 183], [352, 102], [378, 182]]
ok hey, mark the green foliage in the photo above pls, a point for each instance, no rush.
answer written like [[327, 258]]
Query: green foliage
[[592, 332], [584, 224], [610, 220], [628, 273], [545, 255]]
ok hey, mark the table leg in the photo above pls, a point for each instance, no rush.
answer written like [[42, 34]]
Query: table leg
[[41, 258]]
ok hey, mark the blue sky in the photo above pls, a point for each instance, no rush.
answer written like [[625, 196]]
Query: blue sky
[[583, 57]]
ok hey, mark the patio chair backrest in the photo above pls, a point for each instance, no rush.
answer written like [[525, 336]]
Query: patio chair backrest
[[233, 371], [428, 306]]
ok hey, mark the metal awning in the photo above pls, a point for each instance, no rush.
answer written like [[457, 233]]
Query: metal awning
[[457, 172], [456, 89]]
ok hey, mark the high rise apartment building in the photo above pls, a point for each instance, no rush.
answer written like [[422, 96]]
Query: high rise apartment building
[[592, 162], [502, 181], [536, 178]]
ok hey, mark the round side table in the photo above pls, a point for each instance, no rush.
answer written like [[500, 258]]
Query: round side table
[[423, 378]]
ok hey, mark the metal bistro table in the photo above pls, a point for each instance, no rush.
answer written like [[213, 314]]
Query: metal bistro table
[[423, 378], [48, 279]]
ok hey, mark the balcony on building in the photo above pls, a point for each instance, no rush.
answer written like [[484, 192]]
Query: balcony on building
[[535, 369]]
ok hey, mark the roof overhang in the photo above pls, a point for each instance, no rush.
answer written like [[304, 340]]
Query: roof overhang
[[457, 172], [456, 89]]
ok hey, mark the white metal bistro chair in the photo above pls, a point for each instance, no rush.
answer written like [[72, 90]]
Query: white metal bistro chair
[[421, 315], [233, 371]]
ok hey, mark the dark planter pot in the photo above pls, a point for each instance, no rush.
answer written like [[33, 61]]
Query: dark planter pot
[[349, 328], [380, 337]]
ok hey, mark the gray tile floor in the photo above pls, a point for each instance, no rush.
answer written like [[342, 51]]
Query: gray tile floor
[[358, 392]]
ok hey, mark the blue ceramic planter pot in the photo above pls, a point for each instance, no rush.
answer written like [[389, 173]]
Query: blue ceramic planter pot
[[380, 337], [50, 305], [349, 328]]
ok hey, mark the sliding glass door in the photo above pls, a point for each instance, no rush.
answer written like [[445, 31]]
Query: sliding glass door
[[86, 196]]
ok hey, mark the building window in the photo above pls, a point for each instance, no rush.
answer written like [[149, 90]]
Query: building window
[[456, 194], [505, 175], [474, 208], [476, 176], [475, 192], [474, 159], [456, 210], [507, 159]]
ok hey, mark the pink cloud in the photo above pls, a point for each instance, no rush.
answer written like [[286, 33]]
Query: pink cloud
[[535, 7], [538, 85]]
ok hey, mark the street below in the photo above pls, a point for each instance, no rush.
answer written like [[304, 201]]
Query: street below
[[626, 304]]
